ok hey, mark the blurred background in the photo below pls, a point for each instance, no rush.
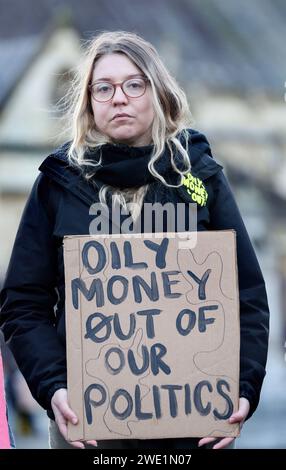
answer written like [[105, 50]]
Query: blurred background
[[230, 57]]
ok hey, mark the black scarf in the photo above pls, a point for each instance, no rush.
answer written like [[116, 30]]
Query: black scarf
[[124, 166]]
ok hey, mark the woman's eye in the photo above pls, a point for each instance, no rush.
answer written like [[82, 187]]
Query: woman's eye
[[135, 85], [103, 88]]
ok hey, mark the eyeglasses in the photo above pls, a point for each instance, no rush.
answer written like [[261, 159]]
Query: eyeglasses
[[104, 91]]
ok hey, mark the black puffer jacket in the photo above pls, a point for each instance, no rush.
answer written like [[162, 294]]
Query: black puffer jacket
[[33, 297]]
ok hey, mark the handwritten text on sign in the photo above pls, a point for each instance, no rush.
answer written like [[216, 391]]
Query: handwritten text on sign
[[157, 325]]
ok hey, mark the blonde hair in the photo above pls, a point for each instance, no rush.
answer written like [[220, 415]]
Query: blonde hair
[[171, 109]]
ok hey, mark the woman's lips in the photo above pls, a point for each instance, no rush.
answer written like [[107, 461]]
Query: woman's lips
[[117, 118]]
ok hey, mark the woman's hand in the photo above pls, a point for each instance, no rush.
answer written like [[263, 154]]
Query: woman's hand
[[237, 417], [63, 413]]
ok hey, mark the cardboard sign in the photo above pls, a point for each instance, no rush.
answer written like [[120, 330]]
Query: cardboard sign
[[4, 432], [152, 335]]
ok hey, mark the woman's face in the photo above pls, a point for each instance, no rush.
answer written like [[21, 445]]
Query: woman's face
[[136, 129]]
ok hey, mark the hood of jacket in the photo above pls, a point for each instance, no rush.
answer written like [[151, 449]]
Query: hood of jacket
[[57, 167]]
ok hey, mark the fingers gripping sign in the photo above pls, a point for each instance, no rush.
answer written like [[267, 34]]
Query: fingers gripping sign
[[237, 417], [63, 413]]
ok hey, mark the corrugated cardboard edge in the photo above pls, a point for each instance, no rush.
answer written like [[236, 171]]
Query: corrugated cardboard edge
[[237, 429], [74, 349]]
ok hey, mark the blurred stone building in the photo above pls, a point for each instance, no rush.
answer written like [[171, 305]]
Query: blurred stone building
[[230, 58]]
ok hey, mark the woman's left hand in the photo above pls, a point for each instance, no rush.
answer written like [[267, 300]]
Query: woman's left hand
[[237, 417]]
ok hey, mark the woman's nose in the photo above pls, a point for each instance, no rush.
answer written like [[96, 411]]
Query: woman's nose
[[119, 96]]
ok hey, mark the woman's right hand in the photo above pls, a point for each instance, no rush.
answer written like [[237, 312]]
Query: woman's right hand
[[63, 413]]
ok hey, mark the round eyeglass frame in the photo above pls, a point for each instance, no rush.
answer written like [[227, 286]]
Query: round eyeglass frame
[[115, 85]]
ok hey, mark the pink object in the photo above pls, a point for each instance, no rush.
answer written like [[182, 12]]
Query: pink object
[[4, 432]]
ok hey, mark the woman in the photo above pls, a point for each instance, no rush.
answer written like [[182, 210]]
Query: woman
[[131, 143]]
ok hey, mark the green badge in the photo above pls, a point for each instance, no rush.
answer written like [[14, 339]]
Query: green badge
[[195, 189]]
